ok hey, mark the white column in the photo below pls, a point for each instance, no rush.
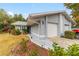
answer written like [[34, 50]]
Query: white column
[[61, 24], [40, 28], [46, 27]]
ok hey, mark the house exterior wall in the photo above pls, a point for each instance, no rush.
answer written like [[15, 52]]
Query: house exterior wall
[[52, 18], [52, 25], [63, 21], [38, 30], [61, 25], [66, 24], [41, 29], [20, 27], [35, 29]]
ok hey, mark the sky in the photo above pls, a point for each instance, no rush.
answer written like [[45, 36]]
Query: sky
[[27, 8]]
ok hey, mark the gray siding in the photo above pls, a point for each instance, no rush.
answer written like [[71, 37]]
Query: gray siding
[[38, 30], [41, 28], [34, 29], [62, 22], [53, 18], [66, 22]]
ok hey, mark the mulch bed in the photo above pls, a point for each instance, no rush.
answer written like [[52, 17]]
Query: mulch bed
[[31, 46]]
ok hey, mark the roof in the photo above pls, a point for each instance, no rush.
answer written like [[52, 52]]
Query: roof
[[45, 13], [19, 23], [35, 15]]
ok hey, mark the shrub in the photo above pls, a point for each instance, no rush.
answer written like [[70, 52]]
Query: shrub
[[25, 31], [21, 48], [69, 34], [17, 32], [13, 31], [73, 50], [57, 50], [1, 27], [33, 53], [12, 27], [23, 45]]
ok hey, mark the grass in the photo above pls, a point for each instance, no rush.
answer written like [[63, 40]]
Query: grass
[[8, 41]]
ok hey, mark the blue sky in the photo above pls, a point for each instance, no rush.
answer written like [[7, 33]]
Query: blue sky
[[26, 8]]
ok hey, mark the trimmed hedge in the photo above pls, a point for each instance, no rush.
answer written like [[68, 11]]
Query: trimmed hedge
[[70, 34]]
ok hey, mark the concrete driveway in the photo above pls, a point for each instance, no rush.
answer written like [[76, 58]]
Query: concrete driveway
[[63, 42]]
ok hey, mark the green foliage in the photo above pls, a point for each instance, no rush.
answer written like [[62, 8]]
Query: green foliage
[[4, 16], [17, 32], [23, 45], [25, 31], [70, 34], [33, 53], [74, 7], [57, 50], [17, 17], [6, 20], [13, 31], [73, 50], [1, 27], [12, 27]]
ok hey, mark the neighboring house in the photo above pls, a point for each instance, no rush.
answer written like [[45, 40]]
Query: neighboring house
[[48, 24], [20, 25]]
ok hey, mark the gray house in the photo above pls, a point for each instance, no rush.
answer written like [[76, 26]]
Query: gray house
[[48, 24], [20, 25]]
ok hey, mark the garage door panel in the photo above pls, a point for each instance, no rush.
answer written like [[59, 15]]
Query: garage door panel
[[52, 30]]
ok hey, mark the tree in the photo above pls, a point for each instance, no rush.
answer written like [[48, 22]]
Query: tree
[[3, 15], [74, 7], [5, 18], [18, 17]]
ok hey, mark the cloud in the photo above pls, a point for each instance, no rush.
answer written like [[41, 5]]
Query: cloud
[[25, 16], [10, 13]]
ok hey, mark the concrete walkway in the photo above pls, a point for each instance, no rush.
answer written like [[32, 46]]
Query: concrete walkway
[[63, 42], [45, 43]]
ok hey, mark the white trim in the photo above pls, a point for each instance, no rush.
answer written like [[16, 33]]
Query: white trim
[[61, 24]]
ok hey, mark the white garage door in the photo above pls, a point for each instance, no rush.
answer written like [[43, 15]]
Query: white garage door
[[52, 30]]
